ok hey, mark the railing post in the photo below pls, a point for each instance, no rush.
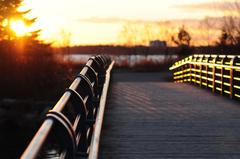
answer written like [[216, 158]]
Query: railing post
[[185, 67], [176, 70], [195, 68], [222, 75], [190, 69], [182, 69], [231, 79], [207, 60], [213, 75], [200, 71]]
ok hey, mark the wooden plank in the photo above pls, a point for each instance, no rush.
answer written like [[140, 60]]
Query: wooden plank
[[167, 120]]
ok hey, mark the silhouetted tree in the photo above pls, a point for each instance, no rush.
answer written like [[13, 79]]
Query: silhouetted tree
[[183, 41], [8, 13], [226, 42], [183, 37], [225, 38], [27, 65], [231, 21]]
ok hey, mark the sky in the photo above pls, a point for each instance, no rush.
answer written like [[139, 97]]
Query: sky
[[100, 21]]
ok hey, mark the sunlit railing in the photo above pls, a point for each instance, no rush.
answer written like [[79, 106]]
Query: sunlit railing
[[72, 128], [220, 73]]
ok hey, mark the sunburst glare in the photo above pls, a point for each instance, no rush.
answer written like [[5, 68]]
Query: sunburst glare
[[19, 28]]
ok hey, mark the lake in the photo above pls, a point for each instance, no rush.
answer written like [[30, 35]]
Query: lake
[[121, 60]]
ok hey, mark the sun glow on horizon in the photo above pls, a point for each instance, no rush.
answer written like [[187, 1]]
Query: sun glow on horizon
[[19, 28], [100, 22]]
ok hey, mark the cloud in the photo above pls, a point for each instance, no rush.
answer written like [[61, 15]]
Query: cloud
[[115, 20], [216, 22], [191, 23], [217, 6]]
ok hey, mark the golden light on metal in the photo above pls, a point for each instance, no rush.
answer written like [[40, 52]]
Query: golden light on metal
[[220, 73]]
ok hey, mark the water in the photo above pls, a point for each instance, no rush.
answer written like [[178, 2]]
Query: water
[[122, 60]]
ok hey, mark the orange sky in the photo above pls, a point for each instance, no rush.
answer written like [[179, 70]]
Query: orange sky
[[101, 21]]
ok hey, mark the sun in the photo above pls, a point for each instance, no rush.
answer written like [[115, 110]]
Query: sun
[[19, 28]]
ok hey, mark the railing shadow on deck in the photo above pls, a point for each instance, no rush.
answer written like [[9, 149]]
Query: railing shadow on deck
[[219, 73], [75, 121]]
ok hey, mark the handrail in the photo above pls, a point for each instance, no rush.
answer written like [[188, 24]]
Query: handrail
[[220, 73], [69, 127], [93, 154]]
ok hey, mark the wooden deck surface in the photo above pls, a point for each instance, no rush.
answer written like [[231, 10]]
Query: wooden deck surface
[[149, 118]]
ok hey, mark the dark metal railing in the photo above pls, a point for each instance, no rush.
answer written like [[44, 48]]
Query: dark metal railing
[[69, 127], [220, 73]]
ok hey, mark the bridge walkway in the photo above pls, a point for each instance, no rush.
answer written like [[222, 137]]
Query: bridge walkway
[[147, 117]]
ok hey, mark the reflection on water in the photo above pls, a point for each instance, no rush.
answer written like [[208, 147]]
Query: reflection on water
[[130, 60]]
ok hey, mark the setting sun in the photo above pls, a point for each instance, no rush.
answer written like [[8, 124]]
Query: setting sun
[[101, 22], [19, 27]]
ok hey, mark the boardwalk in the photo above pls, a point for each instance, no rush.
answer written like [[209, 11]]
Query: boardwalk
[[148, 118]]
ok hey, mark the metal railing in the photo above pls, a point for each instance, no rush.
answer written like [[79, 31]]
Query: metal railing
[[69, 128], [220, 73]]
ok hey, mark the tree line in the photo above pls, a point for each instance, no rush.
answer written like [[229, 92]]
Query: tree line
[[27, 65], [220, 33]]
